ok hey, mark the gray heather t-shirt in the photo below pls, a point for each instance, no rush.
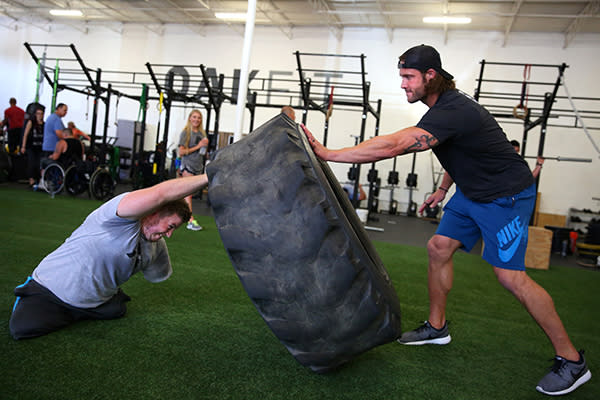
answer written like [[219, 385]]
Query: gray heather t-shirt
[[193, 162], [99, 256]]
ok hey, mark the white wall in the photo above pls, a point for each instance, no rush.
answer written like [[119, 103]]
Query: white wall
[[562, 184]]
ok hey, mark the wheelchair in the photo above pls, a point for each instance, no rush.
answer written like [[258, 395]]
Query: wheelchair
[[77, 177]]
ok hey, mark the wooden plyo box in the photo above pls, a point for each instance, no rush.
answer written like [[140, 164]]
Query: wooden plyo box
[[543, 219], [539, 247]]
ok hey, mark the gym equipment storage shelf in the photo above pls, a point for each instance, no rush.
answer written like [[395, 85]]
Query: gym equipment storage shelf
[[579, 219]]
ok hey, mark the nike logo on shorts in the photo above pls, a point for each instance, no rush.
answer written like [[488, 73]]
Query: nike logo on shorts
[[511, 235]]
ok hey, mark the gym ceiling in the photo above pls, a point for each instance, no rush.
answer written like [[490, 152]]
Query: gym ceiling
[[569, 18]]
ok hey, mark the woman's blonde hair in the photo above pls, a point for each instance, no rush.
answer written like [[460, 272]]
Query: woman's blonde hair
[[188, 127]]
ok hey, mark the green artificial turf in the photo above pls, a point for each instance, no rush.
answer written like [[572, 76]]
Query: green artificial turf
[[198, 336]]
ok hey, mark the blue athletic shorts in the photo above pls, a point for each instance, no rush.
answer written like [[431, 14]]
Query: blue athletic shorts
[[503, 224]]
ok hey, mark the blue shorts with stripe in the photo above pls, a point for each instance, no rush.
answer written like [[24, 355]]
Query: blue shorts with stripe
[[503, 224]]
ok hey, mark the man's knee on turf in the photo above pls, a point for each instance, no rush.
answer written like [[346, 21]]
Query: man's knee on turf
[[24, 328]]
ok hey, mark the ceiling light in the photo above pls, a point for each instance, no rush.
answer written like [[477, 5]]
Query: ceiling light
[[66, 13], [231, 16], [447, 20]]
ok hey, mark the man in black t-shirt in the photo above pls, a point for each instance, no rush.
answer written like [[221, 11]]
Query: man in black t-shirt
[[494, 199]]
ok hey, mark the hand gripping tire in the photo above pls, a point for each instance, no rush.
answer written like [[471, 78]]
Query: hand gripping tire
[[299, 248]]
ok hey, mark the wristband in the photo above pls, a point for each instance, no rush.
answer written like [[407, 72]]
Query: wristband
[[444, 189], [538, 164]]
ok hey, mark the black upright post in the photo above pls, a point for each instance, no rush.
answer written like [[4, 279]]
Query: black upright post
[[526, 123], [252, 108], [167, 102], [167, 105], [393, 208], [210, 105], [95, 108], [214, 100], [373, 180], [306, 105], [326, 128], [304, 88], [353, 176], [549, 99], [105, 129], [479, 81], [214, 140], [363, 127], [208, 117], [143, 127], [138, 143], [162, 146], [412, 183]]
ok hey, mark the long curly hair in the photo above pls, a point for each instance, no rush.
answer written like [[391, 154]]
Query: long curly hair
[[438, 84]]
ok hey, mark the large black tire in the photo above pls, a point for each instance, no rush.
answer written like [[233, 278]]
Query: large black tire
[[299, 248]]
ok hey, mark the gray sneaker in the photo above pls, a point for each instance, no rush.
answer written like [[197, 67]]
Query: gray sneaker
[[193, 225], [426, 334], [564, 376]]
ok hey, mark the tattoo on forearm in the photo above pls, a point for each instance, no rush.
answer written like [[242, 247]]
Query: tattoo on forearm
[[431, 141], [421, 143]]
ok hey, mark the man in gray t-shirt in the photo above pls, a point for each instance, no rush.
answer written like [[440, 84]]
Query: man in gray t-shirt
[[81, 278]]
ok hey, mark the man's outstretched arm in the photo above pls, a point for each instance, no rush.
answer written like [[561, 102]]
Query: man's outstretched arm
[[408, 140], [142, 202]]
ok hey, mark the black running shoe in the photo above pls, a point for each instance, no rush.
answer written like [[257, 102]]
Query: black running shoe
[[564, 376], [426, 334]]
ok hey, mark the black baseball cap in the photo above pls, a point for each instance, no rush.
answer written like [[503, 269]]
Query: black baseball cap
[[422, 58]]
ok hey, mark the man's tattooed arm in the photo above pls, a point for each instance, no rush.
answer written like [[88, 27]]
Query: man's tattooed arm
[[423, 142]]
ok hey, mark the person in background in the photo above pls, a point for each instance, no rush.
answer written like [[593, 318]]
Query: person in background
[[68, 150], [538, 164], [54, 129], [494, 199], [77, 133], [14, 119], [192, 150], [349, 189], [31, 146]]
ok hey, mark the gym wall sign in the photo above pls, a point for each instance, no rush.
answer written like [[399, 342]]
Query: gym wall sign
[[273, 84]]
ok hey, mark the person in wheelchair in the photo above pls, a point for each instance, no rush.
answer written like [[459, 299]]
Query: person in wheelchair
[[68, 167], [66, 152]]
